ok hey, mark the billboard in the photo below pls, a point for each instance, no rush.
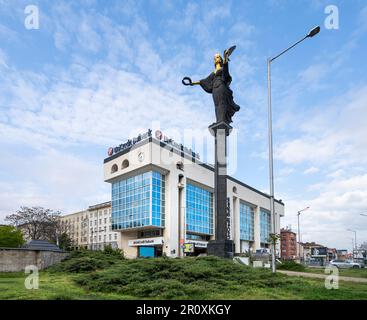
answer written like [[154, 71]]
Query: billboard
[[319, 252]]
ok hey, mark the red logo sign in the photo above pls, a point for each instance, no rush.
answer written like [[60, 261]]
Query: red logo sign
[[110, 151], [159, 134]]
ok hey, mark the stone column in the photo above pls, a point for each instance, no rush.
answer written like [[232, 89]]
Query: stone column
[[222, 246], [236, 225], [257, 237]]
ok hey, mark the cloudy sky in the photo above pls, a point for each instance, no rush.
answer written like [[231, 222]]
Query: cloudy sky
[[96, 72]]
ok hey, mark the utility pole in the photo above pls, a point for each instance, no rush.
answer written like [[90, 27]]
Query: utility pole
[[311, 34], [299, 232]]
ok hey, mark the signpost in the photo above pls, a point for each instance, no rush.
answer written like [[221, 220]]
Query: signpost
[[189, 248]]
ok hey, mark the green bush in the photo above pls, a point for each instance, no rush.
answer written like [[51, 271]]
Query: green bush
[[86, 260], [192, 277], [114, 252], [291, 266]]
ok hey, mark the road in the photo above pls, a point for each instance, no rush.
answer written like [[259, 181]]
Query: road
[[321, 276]]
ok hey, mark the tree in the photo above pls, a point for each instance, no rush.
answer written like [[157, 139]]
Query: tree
[[10, 237], [65, 242], [37, 223]]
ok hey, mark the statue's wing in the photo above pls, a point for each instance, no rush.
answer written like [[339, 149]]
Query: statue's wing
[[230, 50]]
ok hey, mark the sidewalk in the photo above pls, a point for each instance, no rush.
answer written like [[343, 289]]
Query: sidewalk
[[321, 276]]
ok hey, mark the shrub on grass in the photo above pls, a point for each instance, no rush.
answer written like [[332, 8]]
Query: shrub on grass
[[291, 266], [86, 260], [113, 252], [178, 278], [84, 264]]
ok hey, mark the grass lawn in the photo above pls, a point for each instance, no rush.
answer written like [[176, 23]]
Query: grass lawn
[[101, 276], [357, 273]]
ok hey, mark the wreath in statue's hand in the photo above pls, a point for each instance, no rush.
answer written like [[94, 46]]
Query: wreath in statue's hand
[[186, 81]]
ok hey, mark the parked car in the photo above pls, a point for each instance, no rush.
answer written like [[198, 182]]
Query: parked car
[[345, 264], [262, 251]]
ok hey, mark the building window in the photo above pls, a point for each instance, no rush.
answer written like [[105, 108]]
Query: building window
[[125, 164], [114, 168], [115, 236], [110, 237], [150, 233], [246, 222], [139, 201], [264, 226], [158, 199], [197, 237], [105, 220], [199, 209]]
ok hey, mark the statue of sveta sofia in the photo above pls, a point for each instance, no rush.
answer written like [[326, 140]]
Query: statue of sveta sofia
[[217, 83]]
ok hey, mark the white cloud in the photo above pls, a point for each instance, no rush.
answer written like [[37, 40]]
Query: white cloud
[[331, 141], [333, 134], [311, 170], [91, 107], [334, 209], [3, 59], [53, 179]]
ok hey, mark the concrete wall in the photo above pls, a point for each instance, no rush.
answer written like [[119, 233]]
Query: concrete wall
[[15, 260]]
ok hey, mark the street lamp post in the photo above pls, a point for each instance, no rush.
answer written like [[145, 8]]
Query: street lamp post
[[355, 241], [312, 33], [364, 215], [299, 232]]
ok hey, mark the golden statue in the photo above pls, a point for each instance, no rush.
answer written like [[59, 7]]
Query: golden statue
[[217, 83]]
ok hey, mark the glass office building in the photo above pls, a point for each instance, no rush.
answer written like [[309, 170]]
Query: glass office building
[[138, 201], [246, 222], [163, 201], [264, 226], [199, 210]]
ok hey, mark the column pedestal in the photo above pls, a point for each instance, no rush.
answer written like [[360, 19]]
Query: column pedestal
[[222, 246]]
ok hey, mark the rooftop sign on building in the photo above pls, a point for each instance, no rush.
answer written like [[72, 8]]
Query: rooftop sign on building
[[159, 136]]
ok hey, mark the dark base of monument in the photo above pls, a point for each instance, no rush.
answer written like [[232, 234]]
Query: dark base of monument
[[221, 248]]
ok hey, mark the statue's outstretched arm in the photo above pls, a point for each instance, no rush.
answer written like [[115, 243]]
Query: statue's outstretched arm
[[188, 82]]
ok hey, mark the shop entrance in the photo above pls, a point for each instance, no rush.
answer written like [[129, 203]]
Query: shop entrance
[[198, 251], [149, 251], [191, 250]]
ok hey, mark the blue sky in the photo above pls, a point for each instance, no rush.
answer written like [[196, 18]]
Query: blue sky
[[96, 72]]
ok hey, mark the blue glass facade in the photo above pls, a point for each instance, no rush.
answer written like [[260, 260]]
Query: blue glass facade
[[199, 210], [158, 199], [264, 226], [246, 222], [138, 201]]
